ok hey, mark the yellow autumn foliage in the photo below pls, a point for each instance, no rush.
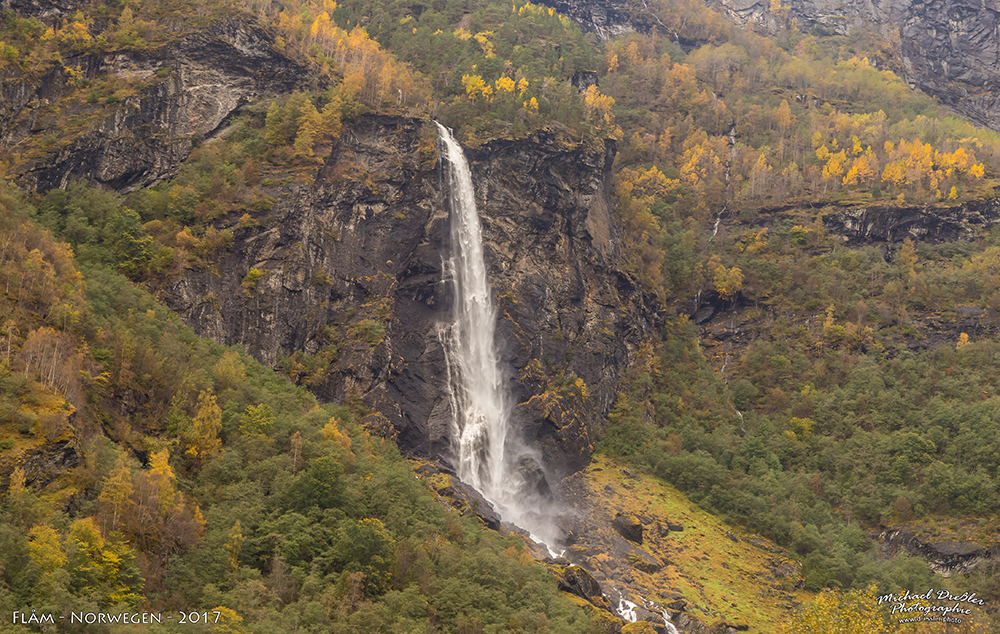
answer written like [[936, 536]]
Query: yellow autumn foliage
[[832, 612]]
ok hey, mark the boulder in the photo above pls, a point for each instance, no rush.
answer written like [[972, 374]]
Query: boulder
[[628, 527], [688, 624], [578, 581]]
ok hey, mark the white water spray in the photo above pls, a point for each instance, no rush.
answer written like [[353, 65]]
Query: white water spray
[[628, 610], [482, 439]]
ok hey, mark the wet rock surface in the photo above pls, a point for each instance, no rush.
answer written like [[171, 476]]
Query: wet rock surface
[[459, 496]]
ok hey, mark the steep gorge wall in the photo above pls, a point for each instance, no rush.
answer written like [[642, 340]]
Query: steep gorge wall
[[354, 271]]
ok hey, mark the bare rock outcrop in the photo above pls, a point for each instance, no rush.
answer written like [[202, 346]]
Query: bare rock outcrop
[[605, 18], [945, 557], [881, 223], [182, 92]]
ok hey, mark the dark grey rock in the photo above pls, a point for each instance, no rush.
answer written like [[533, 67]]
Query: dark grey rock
[[628, 527], [872, 224], [472, 501], [605, 18], [944, 558], [48, 462]]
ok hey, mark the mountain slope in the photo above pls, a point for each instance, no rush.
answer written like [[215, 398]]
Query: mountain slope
[[812, 237]]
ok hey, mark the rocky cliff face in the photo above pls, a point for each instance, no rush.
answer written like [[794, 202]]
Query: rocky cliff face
[[347, 268], [351, 270], [605, 18], [827, 16], [949, 49], [876, 223], [43, 9], [946, 558], [170, 97]]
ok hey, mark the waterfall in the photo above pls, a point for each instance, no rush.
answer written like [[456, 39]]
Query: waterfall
[[668, 624], [485, 447], [480, 403]]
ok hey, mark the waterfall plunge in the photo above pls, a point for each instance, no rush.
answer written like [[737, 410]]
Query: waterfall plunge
[[480, 403], [482, 439]]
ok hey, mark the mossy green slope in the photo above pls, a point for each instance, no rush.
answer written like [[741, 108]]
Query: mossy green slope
[[722, 572]]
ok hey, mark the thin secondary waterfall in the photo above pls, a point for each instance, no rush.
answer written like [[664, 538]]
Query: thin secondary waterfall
[[482, 440]]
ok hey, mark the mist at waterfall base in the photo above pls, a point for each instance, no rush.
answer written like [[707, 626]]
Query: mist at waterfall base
[[489, 454]]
